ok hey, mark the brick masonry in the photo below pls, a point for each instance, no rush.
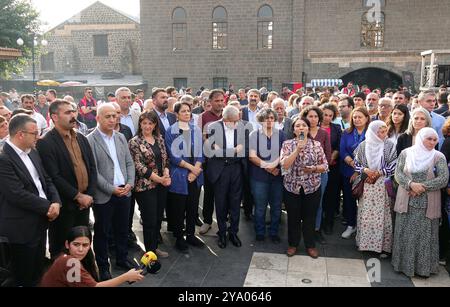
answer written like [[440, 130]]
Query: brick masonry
[[73, 47], [303, 30]]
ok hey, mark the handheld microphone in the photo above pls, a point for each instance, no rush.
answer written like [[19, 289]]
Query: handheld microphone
[[149, 264]]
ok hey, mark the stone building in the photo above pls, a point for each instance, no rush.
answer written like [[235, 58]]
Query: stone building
[[214, 43], [97, 40]]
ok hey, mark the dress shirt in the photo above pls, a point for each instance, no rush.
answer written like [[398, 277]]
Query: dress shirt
[[128, 121], [252, 118], [229, 136], [111, 144], [30, 167], [164, 119]]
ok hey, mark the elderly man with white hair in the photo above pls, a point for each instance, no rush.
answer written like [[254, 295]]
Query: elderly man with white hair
[[128, 117], [283, 123], [385, 107], [227, 149], [115, 180], [306, 101]]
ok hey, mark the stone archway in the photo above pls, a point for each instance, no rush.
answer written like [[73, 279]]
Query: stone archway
[[374, 78]]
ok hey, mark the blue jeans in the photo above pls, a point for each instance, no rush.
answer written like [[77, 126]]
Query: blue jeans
[[265, 193], [323, 186]]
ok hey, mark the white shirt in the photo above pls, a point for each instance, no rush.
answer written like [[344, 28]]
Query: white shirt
[[30, 167], [252, 118], [127, 120], [229, 136], [41, 121], [164, 119], [118, 176]]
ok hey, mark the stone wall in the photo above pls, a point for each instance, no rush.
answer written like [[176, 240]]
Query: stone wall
[[242, 63], [72, 44], [321, 38]]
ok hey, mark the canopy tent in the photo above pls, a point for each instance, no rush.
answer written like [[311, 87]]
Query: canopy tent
[[48, 83], [326, 82]]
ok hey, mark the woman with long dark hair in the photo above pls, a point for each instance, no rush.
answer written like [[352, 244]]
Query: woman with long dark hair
[[152, 178], [351, 138], [398, 122], [184, 147], [76, 266], [331, 196]]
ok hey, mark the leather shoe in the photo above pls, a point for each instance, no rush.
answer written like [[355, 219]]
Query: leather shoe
[[194, 241], [291, 251], [234, 239], [313, 252], [127, 265], [105, 274], [222, 241]]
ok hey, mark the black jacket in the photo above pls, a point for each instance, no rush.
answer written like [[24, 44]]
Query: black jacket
[[59, 166], [23, 214], [218, 160]]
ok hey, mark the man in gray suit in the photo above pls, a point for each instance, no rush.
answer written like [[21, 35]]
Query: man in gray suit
[[116, 173]]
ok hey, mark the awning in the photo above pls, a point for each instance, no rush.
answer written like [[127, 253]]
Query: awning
[[9, 53], [326, 82]]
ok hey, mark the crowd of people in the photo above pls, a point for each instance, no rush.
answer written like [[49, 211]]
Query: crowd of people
[[300, 152]]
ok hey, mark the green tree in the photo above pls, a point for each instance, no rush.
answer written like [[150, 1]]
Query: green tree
[[18, 19]]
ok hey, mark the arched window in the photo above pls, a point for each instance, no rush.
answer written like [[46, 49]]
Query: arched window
[[265, 27], [179, 29], [372, 30], [220, 28]]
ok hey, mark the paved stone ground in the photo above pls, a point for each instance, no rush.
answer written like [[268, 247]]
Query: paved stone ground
[[264, 264]]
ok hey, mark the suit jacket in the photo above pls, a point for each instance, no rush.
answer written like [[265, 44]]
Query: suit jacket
[[335, 138], [105, 165], [59, 166], [218, 159], [135, 114], [172, 119], [287, 128], [23, 214]]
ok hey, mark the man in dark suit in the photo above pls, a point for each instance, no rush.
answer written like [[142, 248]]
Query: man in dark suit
[[69, 161], [166, 119], [28, 200], [227, 145]]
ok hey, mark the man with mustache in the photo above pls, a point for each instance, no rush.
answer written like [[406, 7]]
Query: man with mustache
[[372, 103], [68, 159]]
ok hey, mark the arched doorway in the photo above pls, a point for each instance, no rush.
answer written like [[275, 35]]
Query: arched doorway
[[374, 78]]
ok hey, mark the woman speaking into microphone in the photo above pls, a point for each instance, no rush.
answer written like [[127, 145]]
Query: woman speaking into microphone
[[303, 161]]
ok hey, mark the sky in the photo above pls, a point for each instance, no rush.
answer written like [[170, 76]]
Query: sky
[[54, 12]]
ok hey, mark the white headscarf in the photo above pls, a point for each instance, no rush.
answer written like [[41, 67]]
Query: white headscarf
[[418, 157], [374, 145]]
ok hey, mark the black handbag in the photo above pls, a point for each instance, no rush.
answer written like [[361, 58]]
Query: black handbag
[[358, 186]]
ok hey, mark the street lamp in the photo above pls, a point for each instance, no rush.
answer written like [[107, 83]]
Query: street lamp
[[43, 42]]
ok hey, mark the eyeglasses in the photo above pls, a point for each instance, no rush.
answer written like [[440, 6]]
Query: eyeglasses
[[36, 133]]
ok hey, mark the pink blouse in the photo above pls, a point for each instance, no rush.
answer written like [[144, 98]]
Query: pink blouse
[[295, 178]]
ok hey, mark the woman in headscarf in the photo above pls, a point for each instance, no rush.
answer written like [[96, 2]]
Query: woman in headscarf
[[421, 172], [376, 158]]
